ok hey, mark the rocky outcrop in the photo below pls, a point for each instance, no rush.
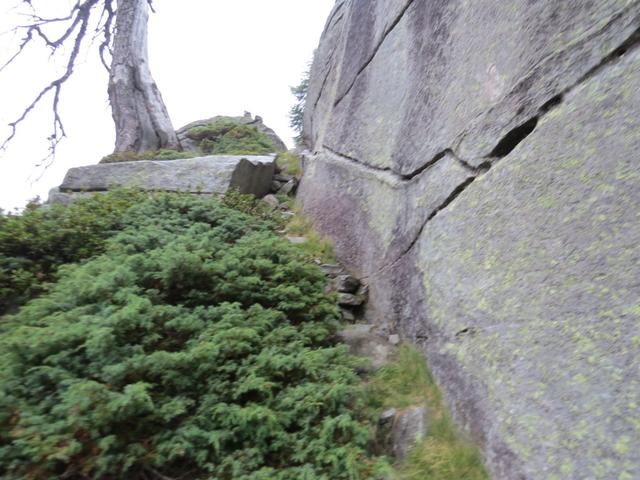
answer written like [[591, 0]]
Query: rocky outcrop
[[477, 164], [191, 145], [203, 175]]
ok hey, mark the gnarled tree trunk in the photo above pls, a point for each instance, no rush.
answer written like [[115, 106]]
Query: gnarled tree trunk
[[141, 118]]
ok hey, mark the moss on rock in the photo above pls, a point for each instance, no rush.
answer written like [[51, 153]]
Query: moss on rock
[[162, 154], [226, 136]]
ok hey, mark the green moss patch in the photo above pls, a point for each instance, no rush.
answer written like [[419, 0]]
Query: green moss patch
[[162, 154], [228, 137]]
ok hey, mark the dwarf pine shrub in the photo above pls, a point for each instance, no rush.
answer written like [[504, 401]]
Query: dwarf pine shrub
[[198, 345], [35, 243]]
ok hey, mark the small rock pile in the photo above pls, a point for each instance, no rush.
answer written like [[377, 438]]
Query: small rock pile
[[399, 430], [352, 294], [284, 184]]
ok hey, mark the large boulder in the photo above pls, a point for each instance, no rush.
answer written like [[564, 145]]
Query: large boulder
[[192, 145], [477, 164], [206, 175]]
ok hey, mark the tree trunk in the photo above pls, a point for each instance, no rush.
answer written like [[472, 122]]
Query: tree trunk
[[141, 118]]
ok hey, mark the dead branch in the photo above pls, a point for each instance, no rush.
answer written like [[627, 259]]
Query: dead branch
[[108, 15], [80, 19]]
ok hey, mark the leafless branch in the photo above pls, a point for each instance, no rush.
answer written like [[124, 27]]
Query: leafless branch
[[108, 15], [68, 30], [80, 17]]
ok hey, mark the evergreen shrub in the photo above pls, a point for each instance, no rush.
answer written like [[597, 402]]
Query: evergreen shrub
[[199, 345], [35, 243]]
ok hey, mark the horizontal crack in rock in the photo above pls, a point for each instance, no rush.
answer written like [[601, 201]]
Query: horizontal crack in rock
[[631, 42], [408, 177], [504, 146]]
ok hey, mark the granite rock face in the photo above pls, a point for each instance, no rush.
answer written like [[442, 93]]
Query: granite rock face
[[206, 175], [478, 165]]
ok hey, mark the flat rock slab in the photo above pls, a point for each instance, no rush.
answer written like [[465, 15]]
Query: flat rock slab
[[212, 174]]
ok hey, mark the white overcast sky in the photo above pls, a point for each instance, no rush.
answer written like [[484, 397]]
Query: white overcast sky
[[208, 57]]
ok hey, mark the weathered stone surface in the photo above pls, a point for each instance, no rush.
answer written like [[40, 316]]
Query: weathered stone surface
[[275, 186], [345, 199], [365, 341], [281, 177], [213, 174], [387, 416], [272, 201], [394, 339], [297, 240], [347, 284], [67, 198], [484, 182], [332, 270], [440, 61], [350, 300], [408, 429], [540, 263], [192, 145], [289, 188], [347, 315]]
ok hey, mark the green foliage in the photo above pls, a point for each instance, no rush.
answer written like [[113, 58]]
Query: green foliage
[[198, 345], [444, 454], [254, 206], [162, 154], [296, 114], [316, 246], [34, 244], [212, 131], [228, 137], [289, 163]]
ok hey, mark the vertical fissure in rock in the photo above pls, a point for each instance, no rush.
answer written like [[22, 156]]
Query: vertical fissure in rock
[[386, 33]]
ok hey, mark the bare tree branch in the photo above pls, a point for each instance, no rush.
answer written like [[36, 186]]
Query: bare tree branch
[[107, 28], [25, 42], [80, 17], [147, 123]]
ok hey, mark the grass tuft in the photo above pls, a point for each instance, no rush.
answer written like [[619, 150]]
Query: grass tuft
[[316, 246], [445, 454], [289, 163]]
